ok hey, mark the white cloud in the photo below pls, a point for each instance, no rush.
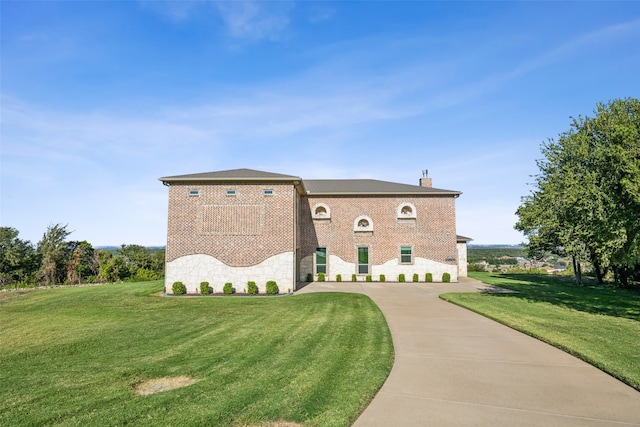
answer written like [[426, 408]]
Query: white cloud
[[255, 20]]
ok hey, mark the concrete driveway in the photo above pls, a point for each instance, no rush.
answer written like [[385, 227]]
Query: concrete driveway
[[456, 368]]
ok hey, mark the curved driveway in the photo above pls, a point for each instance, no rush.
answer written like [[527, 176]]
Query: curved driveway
[[456, 368]]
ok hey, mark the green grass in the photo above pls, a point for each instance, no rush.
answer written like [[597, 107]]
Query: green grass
[[72, 356], [598, 324]]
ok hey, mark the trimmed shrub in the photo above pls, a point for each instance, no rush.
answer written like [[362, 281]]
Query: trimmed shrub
[[320, 277], [354, 278], [204, 288], [272, 287], [415, 277], [228, 288], [401, 278], [383, 278], [309, 277], [178, 288], [446, 277], [339, 278], [252, 288], [428, 277], [368, 278]]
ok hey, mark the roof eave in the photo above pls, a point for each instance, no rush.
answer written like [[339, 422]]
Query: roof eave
[[386, 193]]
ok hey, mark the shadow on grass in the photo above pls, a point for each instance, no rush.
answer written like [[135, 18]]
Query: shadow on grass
[[562, 291]]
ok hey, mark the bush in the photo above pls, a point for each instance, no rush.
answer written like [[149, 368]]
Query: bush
[[475, 267], [354, 278], [228, 288], [415, 277], [252, 288], [309, 277], [272, 287], [446, 277], [368, 278], [401, 278], [339, 278], [383, 278], [320, 277], [204, 288], [428, 277], [178, 288]]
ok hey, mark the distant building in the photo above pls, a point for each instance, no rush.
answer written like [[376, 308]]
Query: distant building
[[245, 225]]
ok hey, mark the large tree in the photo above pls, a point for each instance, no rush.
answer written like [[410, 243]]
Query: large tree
[[18, 258], [586, 198], [52, 250]]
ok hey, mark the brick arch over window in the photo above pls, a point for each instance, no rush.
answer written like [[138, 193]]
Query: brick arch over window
[[406, 210], [363, 223], [321, 211]]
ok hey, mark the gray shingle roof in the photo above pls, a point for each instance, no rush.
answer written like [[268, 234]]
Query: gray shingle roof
[[316, 187], [368, 187], [231, 175]]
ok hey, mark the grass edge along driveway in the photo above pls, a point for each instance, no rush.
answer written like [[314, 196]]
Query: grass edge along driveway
[[73, 356], [598, 324]]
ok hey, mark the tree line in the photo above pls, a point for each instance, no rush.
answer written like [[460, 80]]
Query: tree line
[[585, 202], [56, 260]]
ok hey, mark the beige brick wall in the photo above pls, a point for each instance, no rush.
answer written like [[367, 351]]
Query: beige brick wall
[[240, 230], [432, 233]]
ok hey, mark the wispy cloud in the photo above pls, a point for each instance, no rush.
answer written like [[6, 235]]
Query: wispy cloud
[[255, 20], [243, 19]]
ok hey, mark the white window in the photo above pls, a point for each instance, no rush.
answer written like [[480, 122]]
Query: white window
[[231, 192], [406, 211], [267, 192], [194, 192], [363, 223], [321, 211]]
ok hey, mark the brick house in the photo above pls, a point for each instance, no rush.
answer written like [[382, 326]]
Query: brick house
[[241, 225]]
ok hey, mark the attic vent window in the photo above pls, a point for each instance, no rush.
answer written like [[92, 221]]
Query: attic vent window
[[406, 211], [231, 192], [363, 223], [267, 192], [321, 211], [194, 192]]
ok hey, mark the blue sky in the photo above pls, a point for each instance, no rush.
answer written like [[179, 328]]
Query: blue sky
[[101, 98]]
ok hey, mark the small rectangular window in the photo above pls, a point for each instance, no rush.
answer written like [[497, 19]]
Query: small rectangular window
[[406, 255], [267, 192], [194, 192], [231, 192], [321, 260]]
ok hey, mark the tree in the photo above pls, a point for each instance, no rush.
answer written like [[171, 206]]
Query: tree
[[51, 248], [81, 261], [18, 258], [586, 197]]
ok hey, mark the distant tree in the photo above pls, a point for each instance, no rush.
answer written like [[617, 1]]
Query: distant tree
[[18, 258], [81, 261], [52, 250]]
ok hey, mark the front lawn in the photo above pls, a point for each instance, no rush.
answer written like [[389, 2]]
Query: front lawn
[[73, 357], [598, 324]]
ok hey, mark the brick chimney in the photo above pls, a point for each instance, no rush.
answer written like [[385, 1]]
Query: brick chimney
[[425, 181]]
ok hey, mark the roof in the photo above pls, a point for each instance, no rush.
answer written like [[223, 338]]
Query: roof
[[231, 175], [315, 187], [337, 187]]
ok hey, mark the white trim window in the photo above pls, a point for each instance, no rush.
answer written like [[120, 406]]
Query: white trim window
[[406, 255], [406, 211], [362, 223]]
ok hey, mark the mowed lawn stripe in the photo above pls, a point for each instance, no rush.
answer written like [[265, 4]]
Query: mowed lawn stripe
[[598, 324], [73, 356]]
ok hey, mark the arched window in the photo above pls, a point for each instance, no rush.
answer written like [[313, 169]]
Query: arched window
[[363, 223], [406, 211], [321, 211]]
